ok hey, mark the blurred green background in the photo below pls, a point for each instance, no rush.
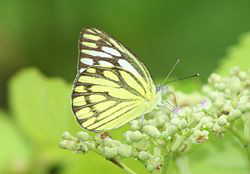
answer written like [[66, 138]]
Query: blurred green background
[[35, 108]]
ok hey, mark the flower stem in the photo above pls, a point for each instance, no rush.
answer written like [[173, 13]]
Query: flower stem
[[117, 163], [243, 140], [122, 166], [183, 164], [248, 149], [166, 163], [248, 154]]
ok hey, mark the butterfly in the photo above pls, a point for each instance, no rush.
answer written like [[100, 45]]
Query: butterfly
[[112, 86]]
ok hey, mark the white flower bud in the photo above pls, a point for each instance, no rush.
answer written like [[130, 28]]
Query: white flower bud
[[91, 145], [198, 115], [143, 155], [73, 146], [206, 89], [219, 101], [246, 91], [200, 136], [110, 152], [108, 142], [206, 119], [63, 144], [125, 150], [213, 95], [187, 111], [235, 84], [247, 106], [182, 124], [151, 122], [83, 136], [127, 138], [151, 131], [234, 114], [235, 70], [153, 163], [214, 78], [217, 128], [166, 136], [175, 120], [222, 121], [70, 145], [84, 147], [227, 107], [220, 86], [159, 121], [243, 75], [207, 122], [228, 91], [144, 144], [135, 136], [243, 100], [67, 136], [244, 107], [135, 125], [171, 130]]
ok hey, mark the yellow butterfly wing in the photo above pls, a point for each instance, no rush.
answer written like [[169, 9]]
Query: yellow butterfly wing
[[112, 86], [99, 48]]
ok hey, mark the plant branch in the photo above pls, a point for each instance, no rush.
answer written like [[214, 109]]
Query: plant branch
[[117, 163], [122, 166], [248, 154], [183, 164], [241, 138], [166, 163]]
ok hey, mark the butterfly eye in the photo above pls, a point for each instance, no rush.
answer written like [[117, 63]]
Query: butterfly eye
[[164, 90]]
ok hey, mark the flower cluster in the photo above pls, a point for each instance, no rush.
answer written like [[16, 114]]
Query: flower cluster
[[164, 133]]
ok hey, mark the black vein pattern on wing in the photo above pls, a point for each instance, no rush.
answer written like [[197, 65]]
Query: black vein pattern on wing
[[100, 43], [90, 104], [101, 112], [114, 61], [121, 82], [103, 42], [130, 109]]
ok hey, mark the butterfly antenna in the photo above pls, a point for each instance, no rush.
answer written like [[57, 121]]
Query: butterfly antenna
[[170, 72], [182, 78]]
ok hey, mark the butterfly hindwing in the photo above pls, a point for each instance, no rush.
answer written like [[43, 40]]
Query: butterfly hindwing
[[105, 98]]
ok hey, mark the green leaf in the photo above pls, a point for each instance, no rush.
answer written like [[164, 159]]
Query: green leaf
[[41, 107], [219, 155], [237, 55], [15, 155]]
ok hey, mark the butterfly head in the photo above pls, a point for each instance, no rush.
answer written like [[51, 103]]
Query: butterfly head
[[161, 91]]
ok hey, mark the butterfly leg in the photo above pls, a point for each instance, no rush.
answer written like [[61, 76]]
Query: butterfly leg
[[105, 135], [142, 119], [175, 100]]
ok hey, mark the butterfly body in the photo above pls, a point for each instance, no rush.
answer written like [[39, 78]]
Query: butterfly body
[[112, 86]]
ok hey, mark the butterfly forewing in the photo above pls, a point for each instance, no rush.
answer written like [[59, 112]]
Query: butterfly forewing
[[98, 48], [112, 87]]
